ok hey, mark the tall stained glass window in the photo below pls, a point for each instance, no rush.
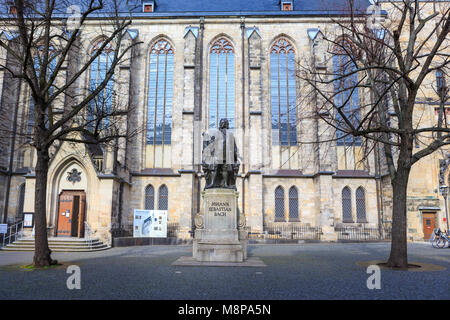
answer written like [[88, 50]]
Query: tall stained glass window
[[149, 197], [293, 204], [37, 67], [160, 94], [279, 204], [283, 92], [347, 215], [163, 200], [221, 83], [346, 94], [361, 205], [101, 106]]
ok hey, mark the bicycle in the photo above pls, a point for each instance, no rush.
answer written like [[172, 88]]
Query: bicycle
[[440, 239]]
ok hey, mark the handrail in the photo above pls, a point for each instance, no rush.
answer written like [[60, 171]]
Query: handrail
[[89, 234], [18, 232]]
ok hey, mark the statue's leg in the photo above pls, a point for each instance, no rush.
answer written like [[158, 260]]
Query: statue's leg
[[234, 174], [225, 177], [208, 180], [213, 179], [233, 179], [217, 176]]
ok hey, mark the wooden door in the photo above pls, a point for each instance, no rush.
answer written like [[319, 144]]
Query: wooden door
[[75, 215], [71, 214], [65, 215], [429, 223], [81, 216]]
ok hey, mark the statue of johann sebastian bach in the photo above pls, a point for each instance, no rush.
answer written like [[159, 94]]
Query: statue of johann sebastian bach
[[220, 157]]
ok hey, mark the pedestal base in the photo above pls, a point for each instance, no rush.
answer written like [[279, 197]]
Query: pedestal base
[[219, 252], [191, 262], [218, 238]]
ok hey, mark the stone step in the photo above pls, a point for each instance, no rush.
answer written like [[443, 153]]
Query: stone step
[[58, 240], [105, 247], [31, 247], [59, 245]]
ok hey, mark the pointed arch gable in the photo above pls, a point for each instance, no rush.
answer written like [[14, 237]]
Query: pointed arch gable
[[68, 155], [59, 170]]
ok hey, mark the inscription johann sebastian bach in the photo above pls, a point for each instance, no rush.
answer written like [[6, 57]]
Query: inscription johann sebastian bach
[[220, 208]]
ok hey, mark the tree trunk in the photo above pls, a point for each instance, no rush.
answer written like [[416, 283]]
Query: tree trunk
[[399, 252], [42, 252]]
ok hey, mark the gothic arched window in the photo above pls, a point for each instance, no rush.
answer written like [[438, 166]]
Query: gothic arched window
[[346, 96], [149, 197], [221, 83], [160, 94], [293, 204], [163, 198], [361, 205], [347, 205], [101, 106], [38, 62], [283, 92], [279, 204]]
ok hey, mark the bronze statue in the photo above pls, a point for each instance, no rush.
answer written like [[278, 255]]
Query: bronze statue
[[220, 158]]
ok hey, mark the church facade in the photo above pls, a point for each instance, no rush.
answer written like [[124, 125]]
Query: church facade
[[236, 60]]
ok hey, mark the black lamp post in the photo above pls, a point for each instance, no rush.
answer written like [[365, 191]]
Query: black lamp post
[[444, 192]]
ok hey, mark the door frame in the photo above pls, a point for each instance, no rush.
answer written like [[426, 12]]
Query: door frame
[[82, 194], [435, 220]]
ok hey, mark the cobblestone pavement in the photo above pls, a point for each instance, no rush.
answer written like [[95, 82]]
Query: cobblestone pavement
[[301, 271]]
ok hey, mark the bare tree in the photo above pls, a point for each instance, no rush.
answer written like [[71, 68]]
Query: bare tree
[[43, 51], [391, 64]]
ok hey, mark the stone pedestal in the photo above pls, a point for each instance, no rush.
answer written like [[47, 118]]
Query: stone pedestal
[[220, 235]]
